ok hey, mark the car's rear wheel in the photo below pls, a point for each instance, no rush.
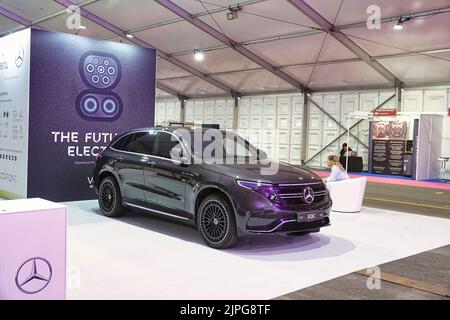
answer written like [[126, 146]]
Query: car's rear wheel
[[109, 198], [216, 222]]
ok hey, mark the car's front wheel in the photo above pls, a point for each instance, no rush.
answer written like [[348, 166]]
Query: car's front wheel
[[109, 198], [216, 222]]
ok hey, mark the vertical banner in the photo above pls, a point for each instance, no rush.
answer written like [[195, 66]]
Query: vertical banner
[[14, 103], [83, 92], [388, 147]]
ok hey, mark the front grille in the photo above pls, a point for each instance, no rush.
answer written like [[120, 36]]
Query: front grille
[[292, 194]]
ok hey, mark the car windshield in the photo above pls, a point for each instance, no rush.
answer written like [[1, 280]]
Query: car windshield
[[213, 143]]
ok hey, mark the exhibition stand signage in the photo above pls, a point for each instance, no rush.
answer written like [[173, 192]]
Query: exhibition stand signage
[[63, 98], [388, 147], [32, 250]]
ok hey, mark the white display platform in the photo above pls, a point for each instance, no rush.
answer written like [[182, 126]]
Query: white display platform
[[32, 249], [142, 257]]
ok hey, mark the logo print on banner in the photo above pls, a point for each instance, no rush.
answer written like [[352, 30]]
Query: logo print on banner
[[101, 72], [20, 56], [308, 195], [34, 275]]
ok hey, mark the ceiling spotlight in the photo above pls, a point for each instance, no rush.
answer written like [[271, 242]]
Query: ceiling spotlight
[[232, 13], [198, 55], [81, 27], [129, 36], [400, 22]]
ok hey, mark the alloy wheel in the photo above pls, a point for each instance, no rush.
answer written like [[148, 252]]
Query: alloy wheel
[[214, 221], [108, 197]]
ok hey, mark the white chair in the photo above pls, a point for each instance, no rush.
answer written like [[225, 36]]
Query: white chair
[[347, 195]]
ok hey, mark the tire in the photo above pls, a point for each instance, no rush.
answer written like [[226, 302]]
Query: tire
[[109, 198], [216, 222]]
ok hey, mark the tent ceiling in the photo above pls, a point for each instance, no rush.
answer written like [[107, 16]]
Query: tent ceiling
[[284, 40], [7, 24]]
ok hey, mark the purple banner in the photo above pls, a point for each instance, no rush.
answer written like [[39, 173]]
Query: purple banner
[[82, 93]]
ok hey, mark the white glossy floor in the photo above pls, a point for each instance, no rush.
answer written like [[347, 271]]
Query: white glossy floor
[[142, 257]]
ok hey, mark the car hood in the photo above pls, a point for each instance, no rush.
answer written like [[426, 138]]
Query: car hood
[[253, 172]]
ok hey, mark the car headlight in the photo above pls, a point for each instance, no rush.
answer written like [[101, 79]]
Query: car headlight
[[266, 189]]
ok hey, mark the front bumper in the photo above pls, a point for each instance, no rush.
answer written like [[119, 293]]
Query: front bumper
[[286, 221], [256, 214]]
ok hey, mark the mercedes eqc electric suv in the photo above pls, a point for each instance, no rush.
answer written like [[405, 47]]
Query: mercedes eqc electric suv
[[165, 172]]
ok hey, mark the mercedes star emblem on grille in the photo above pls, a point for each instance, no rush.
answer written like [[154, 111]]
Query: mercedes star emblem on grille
[[308, 195]]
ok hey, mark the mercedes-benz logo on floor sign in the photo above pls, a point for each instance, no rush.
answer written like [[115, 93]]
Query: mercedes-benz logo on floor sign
[[20, 56], [34, 275], [308, 195]]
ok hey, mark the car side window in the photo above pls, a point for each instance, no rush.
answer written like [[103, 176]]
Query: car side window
[[122, 142], [142, 142], [163, 144]]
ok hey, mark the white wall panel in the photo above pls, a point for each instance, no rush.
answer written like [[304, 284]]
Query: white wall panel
[[435, 101], [254, 137], [244, 107], [270, 106], [315, 138], [368, 101], [220, 108], [283, 153], [255, 122], [189, 111], [199, 106], [297, 105], [284, 122], [296, 137], [412, 101], [284, 105], [295, 155], [391, 103], [160, 112], [274, 123], [283, 137], [256, 106], [350, 103]]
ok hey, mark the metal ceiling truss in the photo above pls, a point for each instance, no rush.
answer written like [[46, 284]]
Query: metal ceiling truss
[[304, 8], [14, 17], [314, 32], [171, 21], [231, 43], [345, 132], [122, 33], [322, 63]]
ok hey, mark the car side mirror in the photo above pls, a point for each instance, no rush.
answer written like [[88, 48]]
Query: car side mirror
[[262, 154]]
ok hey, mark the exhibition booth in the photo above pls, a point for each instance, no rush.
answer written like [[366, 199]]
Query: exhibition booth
[[404, 143], [63, 98]]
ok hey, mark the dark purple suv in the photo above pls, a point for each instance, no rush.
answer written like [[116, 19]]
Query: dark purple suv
[[163, 171]]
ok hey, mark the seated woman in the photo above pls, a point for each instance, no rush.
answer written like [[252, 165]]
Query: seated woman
[[337, 170]]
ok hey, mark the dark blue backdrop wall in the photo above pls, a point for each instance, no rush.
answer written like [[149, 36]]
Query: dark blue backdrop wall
[[82, 92]]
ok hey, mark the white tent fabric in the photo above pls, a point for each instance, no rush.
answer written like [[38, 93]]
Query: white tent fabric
[[274, 30]]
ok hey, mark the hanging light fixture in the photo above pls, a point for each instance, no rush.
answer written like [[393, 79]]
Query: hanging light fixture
[[198, 55], [400, 22]]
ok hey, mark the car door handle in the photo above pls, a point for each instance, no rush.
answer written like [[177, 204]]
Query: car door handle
[[120, 158], [190, 174], [150, 163]]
